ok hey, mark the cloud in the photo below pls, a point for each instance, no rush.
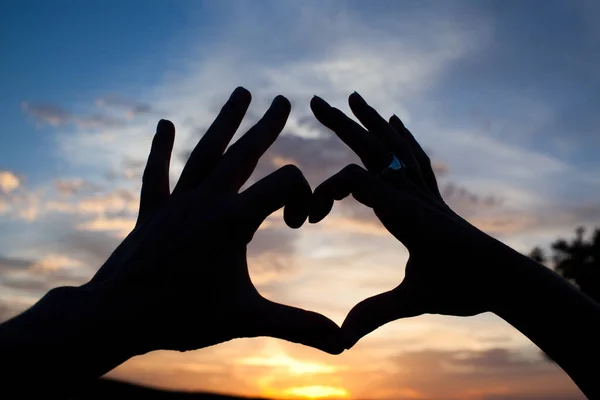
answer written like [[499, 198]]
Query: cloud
[[129, 170], [458, 196], [23, 204], [485, 374], [54, 262], [317, 157], [56, 116], [72, 186], [130, 107], [49, 114], [118, 200], [9, 263], [118, 225], [110, 209], [98, 121], [85, 199], [24, 280], [6, 312], [8, 181]]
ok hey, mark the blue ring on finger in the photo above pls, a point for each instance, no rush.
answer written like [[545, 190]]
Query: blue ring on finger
[[395, 165]]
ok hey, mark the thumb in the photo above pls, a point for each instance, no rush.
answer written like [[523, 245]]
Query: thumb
[[299, 326], [352, 179], [378, 310]]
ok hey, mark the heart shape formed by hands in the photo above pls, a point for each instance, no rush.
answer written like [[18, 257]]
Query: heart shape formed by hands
[[180, 279], [409, 204]]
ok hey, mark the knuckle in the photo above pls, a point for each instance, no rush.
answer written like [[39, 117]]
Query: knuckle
[[291, 170], [294, 176], [352, 169]]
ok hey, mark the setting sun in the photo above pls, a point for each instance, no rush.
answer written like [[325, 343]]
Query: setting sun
[[316, 392], [284, 362]]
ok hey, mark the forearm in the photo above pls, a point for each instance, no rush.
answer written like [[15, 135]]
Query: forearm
[[554, 315], [60, 343]]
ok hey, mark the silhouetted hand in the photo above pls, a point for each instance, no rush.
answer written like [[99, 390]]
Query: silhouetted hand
[[180, 279], [445, 273]]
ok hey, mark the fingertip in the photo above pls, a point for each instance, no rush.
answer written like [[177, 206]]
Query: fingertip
[[295, 212], [331, 341], [395, 121], [241, 95], [356, 99], [293, 216], [350, 335], [314, 219], [165, 125], [335, 348], [320, 207], [281, 102], [349, 340], [318, 104], [164, 138]]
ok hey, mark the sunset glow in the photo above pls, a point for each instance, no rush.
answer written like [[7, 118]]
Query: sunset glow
[[510, 127], [315, 392], [286, 364]]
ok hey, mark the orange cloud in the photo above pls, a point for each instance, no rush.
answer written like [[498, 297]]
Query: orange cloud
[[120, 226], [8, 181], [54, 262]]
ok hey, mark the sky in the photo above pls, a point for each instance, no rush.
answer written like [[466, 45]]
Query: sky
[[503, 96]]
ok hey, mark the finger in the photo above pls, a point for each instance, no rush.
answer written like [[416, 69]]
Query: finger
[[155, 180], [370, 150], [378, 310], [378, 126], [240, 160], [299, 326], [421, 157], [352, 179], [210, 148], [284, 187]]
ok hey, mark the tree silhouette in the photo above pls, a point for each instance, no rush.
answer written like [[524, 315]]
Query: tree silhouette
[[578, 261]]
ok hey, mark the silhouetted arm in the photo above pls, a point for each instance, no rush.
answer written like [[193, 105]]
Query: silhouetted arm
[[180, 279], [453, 268], [65, 340], [553, 314]]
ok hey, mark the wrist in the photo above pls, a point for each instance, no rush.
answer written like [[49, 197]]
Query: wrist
[[109, 315], [68, 333], [517, 281], [503, 273]]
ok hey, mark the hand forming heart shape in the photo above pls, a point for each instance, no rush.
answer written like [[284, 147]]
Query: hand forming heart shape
[[409, 204], [185, 261], [180, 279]]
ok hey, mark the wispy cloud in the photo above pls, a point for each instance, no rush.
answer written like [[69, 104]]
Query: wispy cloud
[[129, 107], [50, 114], [56, 116]]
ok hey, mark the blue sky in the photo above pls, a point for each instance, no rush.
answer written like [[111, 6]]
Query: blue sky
[[503, 95], [68, 52]]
